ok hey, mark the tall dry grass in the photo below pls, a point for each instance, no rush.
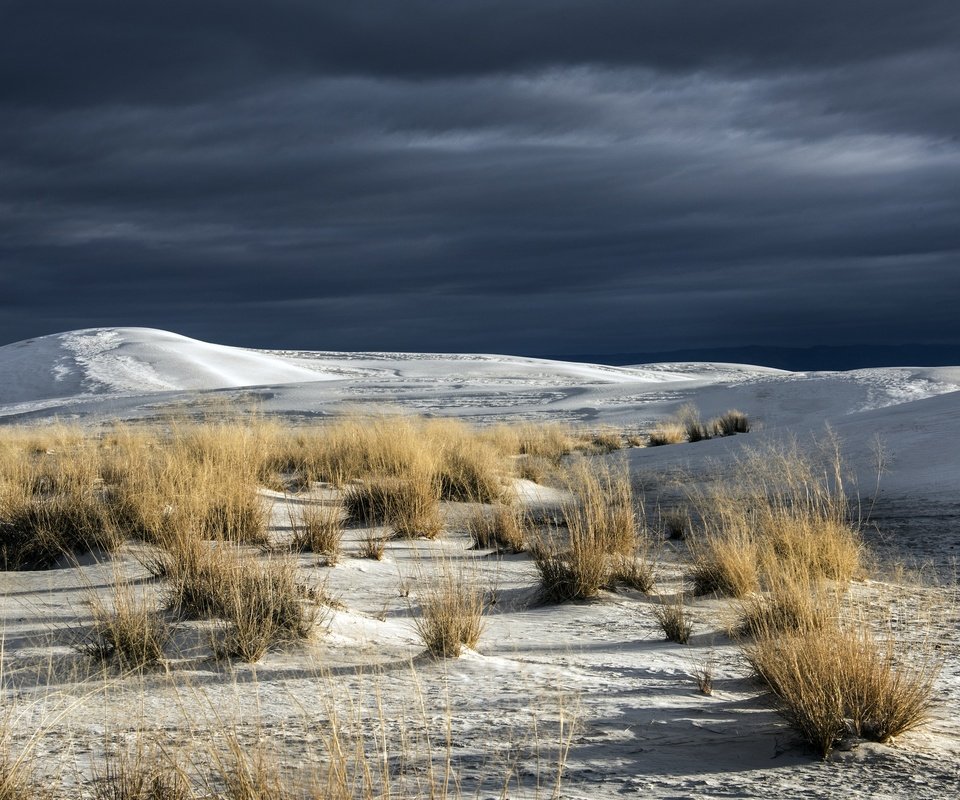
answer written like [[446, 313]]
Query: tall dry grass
[[843, 680], [603, 541], [452, 608], [130, 632], [780, 512]]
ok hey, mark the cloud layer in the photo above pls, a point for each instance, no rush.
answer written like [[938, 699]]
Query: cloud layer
[[501, 176]]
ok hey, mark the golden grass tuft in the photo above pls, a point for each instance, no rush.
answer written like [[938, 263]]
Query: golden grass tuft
[[451, 614], [262, 606], [667, 433], [132, 632], [839, 681], [673, 619], [779, 513], [408, 505], [504, 528], [318, 529]]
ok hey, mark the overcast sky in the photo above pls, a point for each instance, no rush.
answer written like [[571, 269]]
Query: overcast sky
[[511, 176]]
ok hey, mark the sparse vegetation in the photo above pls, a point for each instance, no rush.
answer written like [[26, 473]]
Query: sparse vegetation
[[673, 619], [504, 528], [408, 505], [451, 614], [318, 529], [824, 678], [132, 632]]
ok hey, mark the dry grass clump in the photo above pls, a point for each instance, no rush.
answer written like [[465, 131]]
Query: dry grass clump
[[840, 681], [673, 619], [132, 632], [729, 423], [599, 442], [50, 503], [635, 572], [790, 604], [261, 602], [688, 417], [318, 529], [451, 614], [550, 442], [686, 426], [506, 528], [409, 506], [35, 532], [779, 513], [372, 546], [667, 433], [262, 605], [725, 562], [141, 776], [603, 540], [575, 573]]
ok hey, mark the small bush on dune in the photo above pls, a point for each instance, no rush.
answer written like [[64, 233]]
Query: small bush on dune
[[688, 417], [790, 604], [36, 532], [318, 529], [409, 506], [667, 433], [673, 619], [451, 615], [824, 678], [730, 423], [725, 563], [503, 529], [576, 573], [778, 514], [372, 546], [262, 606], [132, 632], [141, 776], [636, 572]]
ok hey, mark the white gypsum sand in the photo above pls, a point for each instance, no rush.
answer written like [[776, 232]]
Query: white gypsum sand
[[499, 716]]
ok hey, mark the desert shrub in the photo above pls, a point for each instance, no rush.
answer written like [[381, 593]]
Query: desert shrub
[[372, 546], [468, 468], [409, 506], [574, 573], [505, 528], [693, 428], [790, 604], [725, 562], [451, 614], [779, 513], [141, 776], [823, 678], [602, 441], [132, 632], [676, 523], [703, 676], [603, 507], [673, 619], [533, 468], [730, 423], [550, 442], [35, 532], [318, 529], [262, 606], [667, 433], [636, 572]]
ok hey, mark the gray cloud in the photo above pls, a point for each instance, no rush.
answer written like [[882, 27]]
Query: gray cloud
[[579, 177]]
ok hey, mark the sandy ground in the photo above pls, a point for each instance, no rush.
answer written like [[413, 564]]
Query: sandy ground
[[592, 684]]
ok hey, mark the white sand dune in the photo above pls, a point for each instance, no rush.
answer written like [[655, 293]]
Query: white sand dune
[[102, 361], [643, 728]]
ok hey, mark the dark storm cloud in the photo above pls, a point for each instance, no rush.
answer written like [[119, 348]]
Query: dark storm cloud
[[509, 176]]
